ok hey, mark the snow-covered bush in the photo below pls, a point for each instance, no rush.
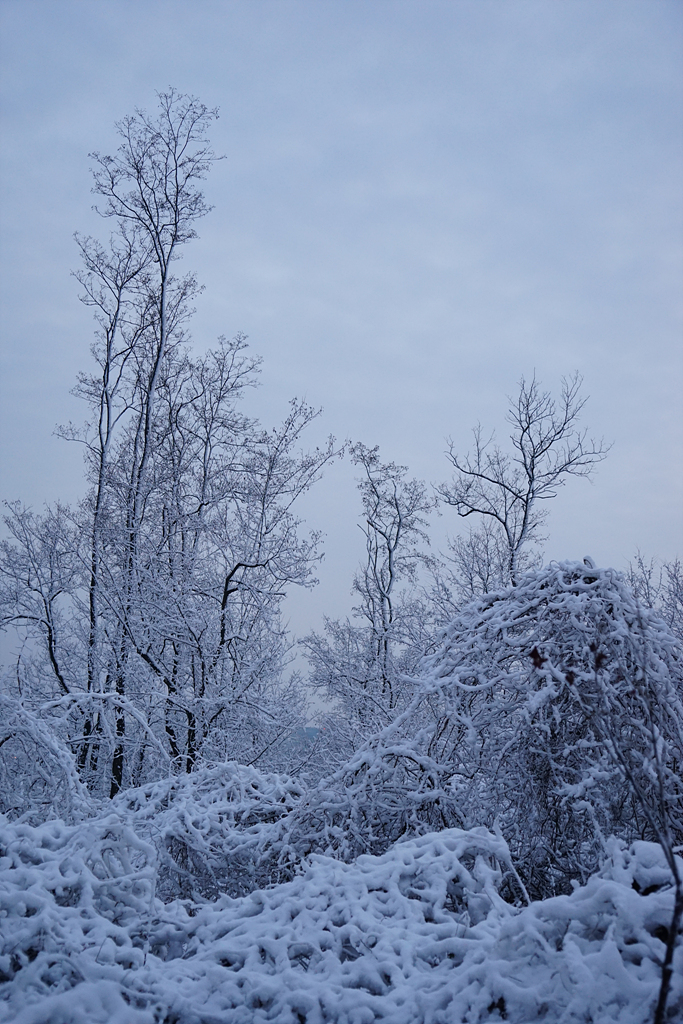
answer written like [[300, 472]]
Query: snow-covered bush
[[551, 715], [65, 890], [564, 698], [419, 935], [391, 788], [38, 777], [208, 827], [552, 708]]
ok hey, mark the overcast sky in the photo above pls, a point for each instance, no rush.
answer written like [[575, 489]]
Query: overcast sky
[[421, 202]]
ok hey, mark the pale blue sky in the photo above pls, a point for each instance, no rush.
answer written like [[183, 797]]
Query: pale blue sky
[[421, 202]]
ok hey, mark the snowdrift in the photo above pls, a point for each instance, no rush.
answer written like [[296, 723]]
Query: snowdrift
[[419, 935]]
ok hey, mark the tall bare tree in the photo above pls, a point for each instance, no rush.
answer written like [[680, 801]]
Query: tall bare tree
[[509, 489]]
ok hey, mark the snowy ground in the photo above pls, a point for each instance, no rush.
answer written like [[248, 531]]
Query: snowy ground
[[419, 934]]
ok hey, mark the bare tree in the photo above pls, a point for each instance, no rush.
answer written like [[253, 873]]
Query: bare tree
[[548, 447], [360, 663], [395, 510], [473, 565], [659, 586]]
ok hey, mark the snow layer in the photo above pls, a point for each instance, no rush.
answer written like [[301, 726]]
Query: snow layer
[[418, 935]]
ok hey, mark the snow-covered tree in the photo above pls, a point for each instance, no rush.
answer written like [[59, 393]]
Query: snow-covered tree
[[360, 664], [150, 615]]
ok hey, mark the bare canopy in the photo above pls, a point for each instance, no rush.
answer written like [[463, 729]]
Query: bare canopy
[[548, 447]]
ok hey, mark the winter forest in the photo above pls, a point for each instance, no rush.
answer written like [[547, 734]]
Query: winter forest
[[461, 803]]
